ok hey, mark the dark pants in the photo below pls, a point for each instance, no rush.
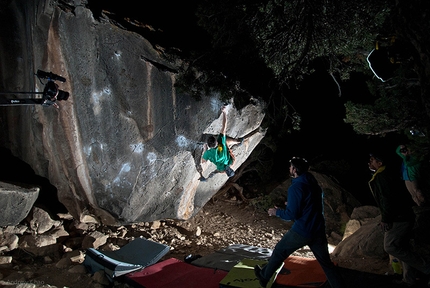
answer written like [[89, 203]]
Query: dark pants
[[396, 243], [292, 241]]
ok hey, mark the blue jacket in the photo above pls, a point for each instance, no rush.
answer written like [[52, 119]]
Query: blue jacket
[[304, 206]]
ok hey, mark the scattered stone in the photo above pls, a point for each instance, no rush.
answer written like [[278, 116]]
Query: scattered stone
[[5, 260], [76, 256], [86, 218], [44, 240], [58, 232], [80, 227], [65, 216], [18, 229], [8, 242], [155, 225], [41, 221], [39, 245], [94, 240], [67, 249], [110, 247], [122, 232]]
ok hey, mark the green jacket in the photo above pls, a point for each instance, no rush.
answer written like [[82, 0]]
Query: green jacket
[[393, 200], [219, 155], [411, 166]]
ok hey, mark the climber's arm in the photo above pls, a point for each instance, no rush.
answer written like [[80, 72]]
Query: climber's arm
[[224, 121], [205, 148]]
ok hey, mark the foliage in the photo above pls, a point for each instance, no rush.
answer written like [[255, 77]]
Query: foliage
[[396, 107], [265, 48], [291, 34], [257, 47]]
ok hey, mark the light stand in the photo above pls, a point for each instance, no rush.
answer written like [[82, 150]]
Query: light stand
[[47, 98]]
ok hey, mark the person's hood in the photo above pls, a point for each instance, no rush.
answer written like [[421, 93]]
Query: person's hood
[[307, 178]]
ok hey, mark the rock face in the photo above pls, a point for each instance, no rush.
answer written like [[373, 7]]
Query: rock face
[[125, 147]]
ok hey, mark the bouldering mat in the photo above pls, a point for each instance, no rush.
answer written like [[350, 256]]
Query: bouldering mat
[[227, 258], [301, 272], [133, 256], [242, 275], [96, 261], [175, 273]]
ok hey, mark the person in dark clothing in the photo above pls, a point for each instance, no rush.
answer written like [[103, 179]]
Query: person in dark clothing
[[397, 219], [305, 208]]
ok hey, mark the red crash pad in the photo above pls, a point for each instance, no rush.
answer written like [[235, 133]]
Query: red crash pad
[[175, 273]]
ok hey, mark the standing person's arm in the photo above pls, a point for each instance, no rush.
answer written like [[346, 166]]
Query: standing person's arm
[[292, 209]]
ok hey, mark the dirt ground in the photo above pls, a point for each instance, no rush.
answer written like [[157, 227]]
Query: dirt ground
[[219, 224]]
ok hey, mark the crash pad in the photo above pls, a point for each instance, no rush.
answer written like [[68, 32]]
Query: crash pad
[[242, 275], [301, 272], [133, 256], [96, 261], [175, 273], [295, 272], [226, 258]]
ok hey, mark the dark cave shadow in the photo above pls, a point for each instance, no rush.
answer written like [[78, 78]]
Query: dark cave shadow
[[15, 171]]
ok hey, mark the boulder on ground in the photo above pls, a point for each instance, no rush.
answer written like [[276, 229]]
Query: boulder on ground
[[15, 203]]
